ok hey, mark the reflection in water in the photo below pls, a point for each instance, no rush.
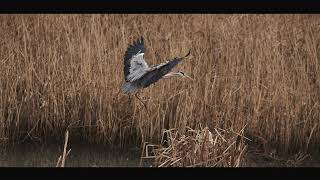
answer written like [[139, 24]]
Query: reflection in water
[[88, 155], [81, 155]]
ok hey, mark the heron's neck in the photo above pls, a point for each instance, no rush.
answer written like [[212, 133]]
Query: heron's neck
[[171, 74]]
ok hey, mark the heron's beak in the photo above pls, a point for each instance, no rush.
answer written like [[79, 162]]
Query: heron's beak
[[188, 77]]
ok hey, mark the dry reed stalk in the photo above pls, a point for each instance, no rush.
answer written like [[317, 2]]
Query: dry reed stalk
[[58, 162], [198, 148], [238, 161], [62, 158]]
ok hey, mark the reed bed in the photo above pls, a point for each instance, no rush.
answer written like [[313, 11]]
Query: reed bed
[[60, 71], [198, 148]]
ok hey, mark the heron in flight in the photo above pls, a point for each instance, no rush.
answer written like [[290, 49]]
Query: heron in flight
[[139, 75]]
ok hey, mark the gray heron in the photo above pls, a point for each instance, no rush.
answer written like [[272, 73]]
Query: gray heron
[[138, 74]]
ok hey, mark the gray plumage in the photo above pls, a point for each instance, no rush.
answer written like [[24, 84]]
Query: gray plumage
[[138, 74]]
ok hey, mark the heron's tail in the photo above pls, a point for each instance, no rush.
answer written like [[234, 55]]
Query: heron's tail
[[128, 87]]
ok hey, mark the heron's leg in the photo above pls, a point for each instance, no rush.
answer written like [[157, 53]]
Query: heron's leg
[[129, 97], [136, 94]]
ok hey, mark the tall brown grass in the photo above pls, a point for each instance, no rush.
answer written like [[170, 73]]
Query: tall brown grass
[[260, 70]]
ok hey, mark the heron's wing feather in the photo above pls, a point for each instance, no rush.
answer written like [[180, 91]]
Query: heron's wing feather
[[134, 64], [156, 72], [169, 64]]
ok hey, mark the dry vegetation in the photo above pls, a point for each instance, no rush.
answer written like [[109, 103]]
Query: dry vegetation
[[198, 148], [59, 71]]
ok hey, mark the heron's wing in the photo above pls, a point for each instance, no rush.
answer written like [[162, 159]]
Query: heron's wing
[[169, 64], [156, 72], [134, 64]]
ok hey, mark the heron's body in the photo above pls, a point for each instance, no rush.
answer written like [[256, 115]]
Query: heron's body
[[139, 75]]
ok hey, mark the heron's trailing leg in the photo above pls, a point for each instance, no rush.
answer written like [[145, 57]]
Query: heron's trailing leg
[[129, 97], [136, 94]]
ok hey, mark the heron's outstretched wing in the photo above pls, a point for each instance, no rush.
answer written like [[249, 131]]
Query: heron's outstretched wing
[[156, 72], [134, 64]]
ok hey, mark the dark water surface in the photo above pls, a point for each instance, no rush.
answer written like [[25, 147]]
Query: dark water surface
[[93, 155], [81, 155]]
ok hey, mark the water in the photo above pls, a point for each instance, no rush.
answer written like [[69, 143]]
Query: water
[[88, 155], [81, 155]]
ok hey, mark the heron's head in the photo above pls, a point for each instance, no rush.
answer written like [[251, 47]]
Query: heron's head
[[183, 74]]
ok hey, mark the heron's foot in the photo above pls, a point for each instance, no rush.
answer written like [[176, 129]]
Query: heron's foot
[[145, 98], [141, 101], [143, 106]]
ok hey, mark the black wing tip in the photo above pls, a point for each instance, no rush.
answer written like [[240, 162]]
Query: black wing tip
[[135, 46], [137, 41], [140, 41], [189, 52]]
